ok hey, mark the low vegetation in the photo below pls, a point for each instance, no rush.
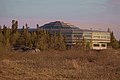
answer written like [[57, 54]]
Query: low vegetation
[[60, 65]]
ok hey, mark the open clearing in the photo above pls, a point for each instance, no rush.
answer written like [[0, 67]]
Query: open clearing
[[61, 65]]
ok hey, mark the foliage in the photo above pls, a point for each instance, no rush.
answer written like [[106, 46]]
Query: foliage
[[84, 43], [114, 43], [40, 39], [1, 37]]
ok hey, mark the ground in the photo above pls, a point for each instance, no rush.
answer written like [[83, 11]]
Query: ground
[[60, 65]]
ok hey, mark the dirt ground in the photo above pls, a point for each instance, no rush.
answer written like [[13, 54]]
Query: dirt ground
[[60, 65]]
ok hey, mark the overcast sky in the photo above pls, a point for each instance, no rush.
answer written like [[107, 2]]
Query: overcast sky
[[96, 14]]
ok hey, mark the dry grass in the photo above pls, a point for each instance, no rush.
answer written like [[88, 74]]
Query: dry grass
[[56, 65]]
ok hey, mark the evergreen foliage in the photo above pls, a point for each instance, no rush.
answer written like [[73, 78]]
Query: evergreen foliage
[[1, 37], [84, 43], [114, 43], [119, 43], [6, 34], [41, 39]]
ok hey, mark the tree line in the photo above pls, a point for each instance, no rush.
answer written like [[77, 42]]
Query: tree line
[[114, 42], [41, 39]]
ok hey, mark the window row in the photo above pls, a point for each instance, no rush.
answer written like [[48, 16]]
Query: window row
[[105, 37]]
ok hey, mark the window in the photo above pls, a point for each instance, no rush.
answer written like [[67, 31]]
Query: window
[[96, 45], [68, 35], [77, 35], [103, 45], [103, 36], [96, 36], [87, 35], [108, 37]]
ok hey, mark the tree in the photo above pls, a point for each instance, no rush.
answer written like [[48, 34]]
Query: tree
[[47, 39], [14, 26], [57, 42], [61, 42], [37, 26], [84, 43], [114, 43], [1, 37], [33, 38], [14, 33], [88, 45], [52, 42], [109, 30], [119, 43], [14, 38], [21, 39], [27, 37], [6, 34], [40, 39]]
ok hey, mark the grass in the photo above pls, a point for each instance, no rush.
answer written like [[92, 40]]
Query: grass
[[60, 65]]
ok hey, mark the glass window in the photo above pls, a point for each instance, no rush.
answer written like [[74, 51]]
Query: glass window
[[96, 36], [108, 37], [103, 36], [103, 45], [68, 35], [77, 35], [87, 35], [96, 45]]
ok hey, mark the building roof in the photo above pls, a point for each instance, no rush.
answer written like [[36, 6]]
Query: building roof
[[62, 25], [58, 25], [87, 30]]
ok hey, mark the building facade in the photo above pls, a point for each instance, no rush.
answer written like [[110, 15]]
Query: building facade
[[74, 35], [99, 39]]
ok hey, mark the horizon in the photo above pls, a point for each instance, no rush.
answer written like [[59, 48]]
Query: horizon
[[86, 14]]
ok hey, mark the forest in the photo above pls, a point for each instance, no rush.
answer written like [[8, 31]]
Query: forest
[[23, 38]]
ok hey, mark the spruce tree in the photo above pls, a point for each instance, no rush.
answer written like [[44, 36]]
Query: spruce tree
[[6, 33], [1, 37], [52, 42], [42, 40], [21, 39], [119, 43], [27, 37], [13, 26], [55, 42], [114, 43], [109, 30], [14, 33], [84, 43], [33, 38], [61, 43], [39, 39]]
